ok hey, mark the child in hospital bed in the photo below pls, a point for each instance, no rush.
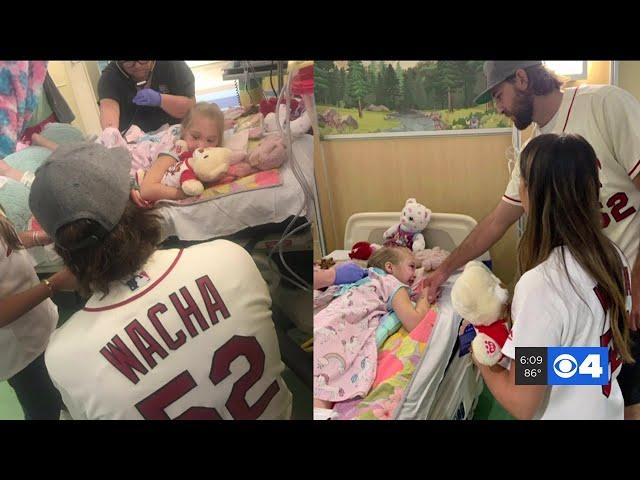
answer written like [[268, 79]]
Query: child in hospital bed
[[202, 127], [345, 351]]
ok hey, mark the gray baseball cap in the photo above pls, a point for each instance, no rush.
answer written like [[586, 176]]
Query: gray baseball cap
[[497, 71], [81, 181]]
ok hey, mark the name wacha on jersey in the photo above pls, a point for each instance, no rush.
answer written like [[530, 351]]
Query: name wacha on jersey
[[159, 341]]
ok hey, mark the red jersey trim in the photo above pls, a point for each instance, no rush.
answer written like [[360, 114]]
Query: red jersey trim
[[635, 170], [135, 297], [570, 107]]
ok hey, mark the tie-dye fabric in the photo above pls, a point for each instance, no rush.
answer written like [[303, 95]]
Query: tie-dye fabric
[[20, 86]]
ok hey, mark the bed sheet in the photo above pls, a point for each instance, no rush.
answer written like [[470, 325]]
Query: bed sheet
[[233, 213]]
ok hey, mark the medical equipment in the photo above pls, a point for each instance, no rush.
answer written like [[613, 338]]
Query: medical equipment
[[294, 68]]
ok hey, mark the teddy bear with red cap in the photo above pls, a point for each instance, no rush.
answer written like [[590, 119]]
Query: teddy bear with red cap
[[479, 297]]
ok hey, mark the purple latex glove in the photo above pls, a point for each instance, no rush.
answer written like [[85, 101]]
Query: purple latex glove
[[148, 98], [349, 272]]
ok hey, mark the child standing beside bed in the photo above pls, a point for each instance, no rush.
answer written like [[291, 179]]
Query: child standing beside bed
[[345, 351], [27, 319]]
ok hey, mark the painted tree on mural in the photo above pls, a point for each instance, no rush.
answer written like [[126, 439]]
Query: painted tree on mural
[[470, 70], [342, 83], [357, 81], [335, 87], [391, 88], [450, 76], [372, 78], [400, 75], [408, 91], [427, 85], [322, 80]]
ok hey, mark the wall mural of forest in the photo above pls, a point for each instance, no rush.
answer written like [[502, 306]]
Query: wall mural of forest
[[382, 96]]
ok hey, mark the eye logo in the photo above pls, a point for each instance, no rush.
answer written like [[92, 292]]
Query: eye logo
[[565, 366]]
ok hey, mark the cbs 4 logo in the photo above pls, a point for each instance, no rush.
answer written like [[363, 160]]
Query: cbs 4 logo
[[566, 366]]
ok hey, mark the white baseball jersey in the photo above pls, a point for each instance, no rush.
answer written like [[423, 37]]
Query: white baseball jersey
[[548, 312], [26, 338], [190, 336], [609, 119]]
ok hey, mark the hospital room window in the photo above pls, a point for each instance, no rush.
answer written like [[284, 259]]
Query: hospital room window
[[573, 69], [210, 86]]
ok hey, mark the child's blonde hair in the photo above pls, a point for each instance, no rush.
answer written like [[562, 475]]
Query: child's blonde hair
[[387, 254], [209, 110], [8, 232]]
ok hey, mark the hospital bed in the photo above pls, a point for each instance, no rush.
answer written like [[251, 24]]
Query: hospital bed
[[444, 385], [228, 215], [242, 216]]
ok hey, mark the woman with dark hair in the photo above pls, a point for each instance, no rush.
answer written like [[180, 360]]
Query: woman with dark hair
[[575, 284], [176, 333]]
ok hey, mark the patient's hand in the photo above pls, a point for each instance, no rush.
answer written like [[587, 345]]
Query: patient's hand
[[139, 201]]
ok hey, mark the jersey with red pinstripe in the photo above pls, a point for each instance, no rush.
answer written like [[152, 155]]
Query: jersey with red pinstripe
[[558, 304], [609, 119], [188, 337]]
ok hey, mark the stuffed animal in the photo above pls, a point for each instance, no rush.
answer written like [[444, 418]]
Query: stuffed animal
[[204, 165], [414, 219], [299, 126], [269, 106], [431, 258], [478, 296], [363, 250], [269, 153], [326, 263]]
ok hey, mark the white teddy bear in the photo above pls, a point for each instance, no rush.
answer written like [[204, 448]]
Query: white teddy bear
[[299, 126], [414, 219], [478, 296]]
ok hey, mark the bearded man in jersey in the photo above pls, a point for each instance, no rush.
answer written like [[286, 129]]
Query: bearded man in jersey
[[609, 119], [165, 334]]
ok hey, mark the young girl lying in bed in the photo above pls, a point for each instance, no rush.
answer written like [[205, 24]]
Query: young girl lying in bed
[[202, 127], [345, 351]]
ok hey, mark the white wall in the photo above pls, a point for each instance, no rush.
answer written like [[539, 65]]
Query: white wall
[[75, 83]]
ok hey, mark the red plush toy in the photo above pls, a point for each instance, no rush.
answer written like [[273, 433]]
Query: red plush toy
[[363, 250], [269, 106]]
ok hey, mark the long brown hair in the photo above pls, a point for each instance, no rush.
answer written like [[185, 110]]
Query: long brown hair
[[560, 173], [8, 232], [119, 254]]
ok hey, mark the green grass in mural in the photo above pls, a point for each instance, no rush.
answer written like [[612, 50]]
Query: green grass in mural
[[375, 122], [371, 122], [488, 119]]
